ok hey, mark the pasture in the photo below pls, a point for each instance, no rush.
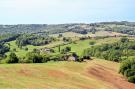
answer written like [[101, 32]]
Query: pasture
[[80, 45], [95, 74]]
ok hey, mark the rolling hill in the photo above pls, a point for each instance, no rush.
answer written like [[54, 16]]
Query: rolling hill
[[95, 74]]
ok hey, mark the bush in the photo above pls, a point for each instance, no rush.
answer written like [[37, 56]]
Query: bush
[[33, 58], [131, 79], [14, 49], [45, 58], [92, 42], [124, 39], [12, 58], [86, 57], [127, 69], [26, 49], [3, 48], [65, 50], [79, 59], [129, 72]]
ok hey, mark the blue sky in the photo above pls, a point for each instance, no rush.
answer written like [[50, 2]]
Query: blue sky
[[65, 11]]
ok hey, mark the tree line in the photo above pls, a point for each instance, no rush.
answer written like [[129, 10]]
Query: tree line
[[33, 39]]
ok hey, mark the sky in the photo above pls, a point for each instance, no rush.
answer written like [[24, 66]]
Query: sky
[[65, 11]]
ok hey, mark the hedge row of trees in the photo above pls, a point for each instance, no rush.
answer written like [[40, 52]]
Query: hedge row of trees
[[8, 37], [3, 49], [36, 57], [33, 39]]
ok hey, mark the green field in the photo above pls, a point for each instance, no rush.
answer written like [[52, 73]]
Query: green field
[[52, 75], [63, 75], [68, 34], [79, 46], [22, 53]]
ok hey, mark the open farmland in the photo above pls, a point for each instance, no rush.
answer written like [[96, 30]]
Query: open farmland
[[79, 46], [97, 34], [105, 33], [68, 34], [95, 74], [22, 52]]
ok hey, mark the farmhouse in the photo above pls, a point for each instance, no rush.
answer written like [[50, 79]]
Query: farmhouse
[[46, 50]]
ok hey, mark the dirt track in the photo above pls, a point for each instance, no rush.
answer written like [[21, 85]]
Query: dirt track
[[110, 76]]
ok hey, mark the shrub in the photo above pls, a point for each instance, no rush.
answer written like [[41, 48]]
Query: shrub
[[129, 72], [65, 50], [12, 58], [3, 48], [124, 39], [79, 59], [92, 42], [45, 58], [26, 49], [124, 66], [127, 69], [33, 58], [87, 57], [14, 49], [131, 79]]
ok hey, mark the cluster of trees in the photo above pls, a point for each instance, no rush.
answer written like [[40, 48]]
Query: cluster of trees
[[33, 39], [34, 57], [65, 50], [127, 68], [120, 27], [37, 57], [117, 52], [22, 28], [67, 39], [7, 38], [12, 58], [3, 48], [124, 30]]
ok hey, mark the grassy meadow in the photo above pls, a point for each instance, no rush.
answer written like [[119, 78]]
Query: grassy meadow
[[79, 46], [53, 75], [22, 52]]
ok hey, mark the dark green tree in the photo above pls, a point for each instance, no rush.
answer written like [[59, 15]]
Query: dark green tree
[[12, 58]]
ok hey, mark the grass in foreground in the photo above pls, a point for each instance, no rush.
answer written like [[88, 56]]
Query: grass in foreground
[[61, 75], [52, 75]]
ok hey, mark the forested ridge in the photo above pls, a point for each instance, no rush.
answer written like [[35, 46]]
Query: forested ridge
[[122, 27]]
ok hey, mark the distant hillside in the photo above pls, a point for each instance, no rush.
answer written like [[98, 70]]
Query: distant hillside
[[121, 27]]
